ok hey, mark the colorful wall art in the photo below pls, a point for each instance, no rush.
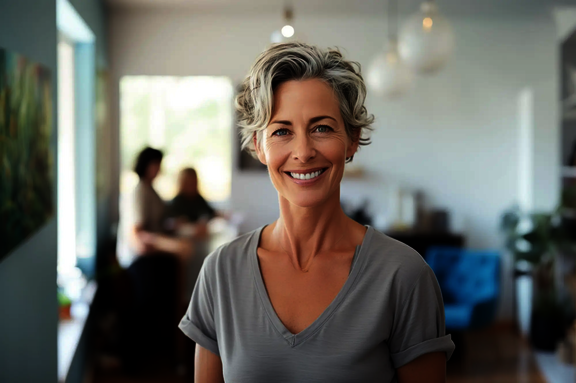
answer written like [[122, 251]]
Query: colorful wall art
[[26, 158]]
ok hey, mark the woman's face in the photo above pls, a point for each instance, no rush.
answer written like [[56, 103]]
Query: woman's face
[[189, 184], [305, 146], [153, 170]]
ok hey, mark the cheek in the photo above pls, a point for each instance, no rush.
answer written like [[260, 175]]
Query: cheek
[[276, 153], [333, 148]]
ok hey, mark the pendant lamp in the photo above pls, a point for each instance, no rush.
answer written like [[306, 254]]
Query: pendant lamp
[[388, 76], [287, 32], [426, 40]]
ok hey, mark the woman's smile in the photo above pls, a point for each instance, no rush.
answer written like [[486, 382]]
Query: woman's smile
[[306, 177]]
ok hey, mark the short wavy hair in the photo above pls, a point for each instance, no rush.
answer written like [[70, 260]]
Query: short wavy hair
[[298, 61]]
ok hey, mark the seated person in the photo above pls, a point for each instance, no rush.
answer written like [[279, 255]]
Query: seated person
[[189, 203], [189, 207]]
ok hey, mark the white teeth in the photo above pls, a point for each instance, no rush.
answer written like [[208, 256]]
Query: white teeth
[[307, 176]]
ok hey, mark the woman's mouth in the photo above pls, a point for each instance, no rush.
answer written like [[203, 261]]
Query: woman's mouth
[[307, 175]]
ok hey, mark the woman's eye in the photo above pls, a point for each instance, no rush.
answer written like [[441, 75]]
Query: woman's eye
[[280, 132], [323, 129]]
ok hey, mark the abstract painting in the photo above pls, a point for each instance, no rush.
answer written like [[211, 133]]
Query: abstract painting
[[26, 158]]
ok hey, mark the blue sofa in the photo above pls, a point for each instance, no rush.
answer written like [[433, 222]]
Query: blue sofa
[[470, 284]]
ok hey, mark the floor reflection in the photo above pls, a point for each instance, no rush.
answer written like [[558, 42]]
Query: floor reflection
[[495, 356]]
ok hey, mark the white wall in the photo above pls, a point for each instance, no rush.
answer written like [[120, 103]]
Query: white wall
[[455, 136], [565, 18]]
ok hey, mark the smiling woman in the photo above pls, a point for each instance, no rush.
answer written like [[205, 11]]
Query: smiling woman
[[314, 296]]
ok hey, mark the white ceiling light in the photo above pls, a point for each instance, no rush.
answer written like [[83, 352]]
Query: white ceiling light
[[287, 33], [426, 40], [388, 75]]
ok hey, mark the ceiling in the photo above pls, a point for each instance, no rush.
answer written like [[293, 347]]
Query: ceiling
[[368, 7]]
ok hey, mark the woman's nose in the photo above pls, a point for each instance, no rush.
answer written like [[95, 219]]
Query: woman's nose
[[304, 149]]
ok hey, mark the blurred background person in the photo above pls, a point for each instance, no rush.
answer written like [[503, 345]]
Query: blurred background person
[[189, 208], [191, 216], [152, 262]]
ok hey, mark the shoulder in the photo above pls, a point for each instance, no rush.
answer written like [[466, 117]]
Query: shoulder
[[139, 188], [233, 257], [140, 192], [143, 190], [390, 260]]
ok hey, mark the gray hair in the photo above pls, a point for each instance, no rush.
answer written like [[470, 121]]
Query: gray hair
[[298, 61]]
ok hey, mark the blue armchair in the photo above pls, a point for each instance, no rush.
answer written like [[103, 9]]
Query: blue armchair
[[470, 284]]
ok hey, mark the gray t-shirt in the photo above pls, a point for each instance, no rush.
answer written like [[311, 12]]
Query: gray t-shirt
[[388, 313]]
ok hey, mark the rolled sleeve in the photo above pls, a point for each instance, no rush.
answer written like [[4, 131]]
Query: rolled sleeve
[[442, 344], [419, 327], [198, 322], [197, 335]]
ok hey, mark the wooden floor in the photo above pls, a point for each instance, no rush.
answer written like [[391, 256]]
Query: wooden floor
[[494, 356]]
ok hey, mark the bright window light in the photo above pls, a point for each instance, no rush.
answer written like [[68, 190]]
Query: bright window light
[[189, 119], [66, 156]]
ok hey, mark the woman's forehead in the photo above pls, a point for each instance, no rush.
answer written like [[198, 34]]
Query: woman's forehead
[[305, 98]]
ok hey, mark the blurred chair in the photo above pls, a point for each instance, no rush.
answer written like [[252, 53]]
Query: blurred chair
[[470, 284]]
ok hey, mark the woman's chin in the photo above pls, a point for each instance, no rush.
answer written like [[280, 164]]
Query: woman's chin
[[308, 200]]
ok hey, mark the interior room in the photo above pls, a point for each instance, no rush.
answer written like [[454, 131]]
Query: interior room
[[128, 133]]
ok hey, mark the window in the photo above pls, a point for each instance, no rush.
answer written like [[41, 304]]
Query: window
[[76, 179], [190, 120], [66, 155]]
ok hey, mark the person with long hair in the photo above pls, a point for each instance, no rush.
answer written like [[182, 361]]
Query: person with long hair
[[188, 208]]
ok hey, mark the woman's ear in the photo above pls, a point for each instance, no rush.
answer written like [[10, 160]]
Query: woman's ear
[[259, 153], [353, 146]]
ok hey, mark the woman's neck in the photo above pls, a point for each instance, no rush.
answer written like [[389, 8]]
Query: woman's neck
[[303, 233]]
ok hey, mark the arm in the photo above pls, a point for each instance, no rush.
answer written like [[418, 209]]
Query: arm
[[139, 239], [207, 367], [209, 210], [181, 247], [427, 368], [139, 236], [146, 243]]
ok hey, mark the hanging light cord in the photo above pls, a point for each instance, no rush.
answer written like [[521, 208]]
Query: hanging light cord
[[392, 20], [288, 12]]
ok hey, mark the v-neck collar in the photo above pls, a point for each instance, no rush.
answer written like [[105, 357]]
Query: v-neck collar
[[295, 339]]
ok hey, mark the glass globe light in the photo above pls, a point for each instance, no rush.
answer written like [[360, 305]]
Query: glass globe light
[[388, 76], [426, 40], [287, 31], [276, 37], [286, 34]]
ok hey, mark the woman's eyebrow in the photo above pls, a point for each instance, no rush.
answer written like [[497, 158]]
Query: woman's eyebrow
[[319, 118], [312, 120]]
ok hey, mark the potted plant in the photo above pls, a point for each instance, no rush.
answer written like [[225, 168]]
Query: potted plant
[[64, 305], [538, 240]]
